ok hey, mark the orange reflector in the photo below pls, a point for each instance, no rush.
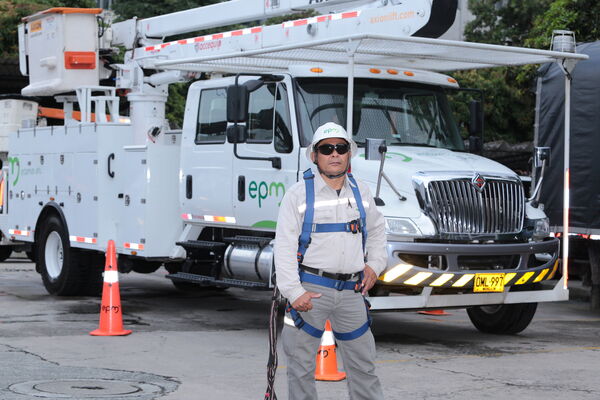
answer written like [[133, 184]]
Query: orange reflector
[[51, 198], [316, 70], [408, 73], [452, 80], [392, 72], [80, 60], [374, 71], [134, 253]]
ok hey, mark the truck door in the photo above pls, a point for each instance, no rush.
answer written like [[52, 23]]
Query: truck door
[[258, 185], [206, 158]]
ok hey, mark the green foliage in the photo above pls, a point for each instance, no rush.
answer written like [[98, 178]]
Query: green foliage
[[510, 102], [12, 11], [580, 16]]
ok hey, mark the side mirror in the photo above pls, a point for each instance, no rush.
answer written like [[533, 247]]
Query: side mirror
[[541, 155], [476, 120], [374, 149], [237, 133], [237, 103], [237, 100]]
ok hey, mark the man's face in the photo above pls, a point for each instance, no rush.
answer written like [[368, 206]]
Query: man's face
[[334, 163]]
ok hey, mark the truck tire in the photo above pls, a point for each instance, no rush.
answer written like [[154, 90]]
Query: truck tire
[[57, 261], [5, 252], [502, 319]]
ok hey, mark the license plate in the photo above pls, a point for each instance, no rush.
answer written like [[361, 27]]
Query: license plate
[[488, 283]]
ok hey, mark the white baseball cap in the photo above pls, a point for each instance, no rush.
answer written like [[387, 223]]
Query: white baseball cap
[[328, 131]]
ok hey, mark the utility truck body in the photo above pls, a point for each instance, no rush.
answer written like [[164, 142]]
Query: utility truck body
[[203, 200]]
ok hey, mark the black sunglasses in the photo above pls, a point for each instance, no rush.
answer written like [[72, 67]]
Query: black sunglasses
[[327, 149]]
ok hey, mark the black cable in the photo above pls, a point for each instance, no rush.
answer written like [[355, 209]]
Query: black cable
[[272, 363]]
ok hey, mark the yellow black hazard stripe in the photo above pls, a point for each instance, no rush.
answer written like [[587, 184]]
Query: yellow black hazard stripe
[[410, 275]]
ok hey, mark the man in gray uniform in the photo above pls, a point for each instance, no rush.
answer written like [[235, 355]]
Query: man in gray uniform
[[341, 253]]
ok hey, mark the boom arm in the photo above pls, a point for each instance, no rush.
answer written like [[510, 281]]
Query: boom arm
[[224, 14]]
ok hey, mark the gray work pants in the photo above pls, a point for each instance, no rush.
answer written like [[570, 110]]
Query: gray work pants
[[346, 311]]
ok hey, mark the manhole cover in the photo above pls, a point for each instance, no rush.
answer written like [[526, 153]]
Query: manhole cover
[[84, 388]]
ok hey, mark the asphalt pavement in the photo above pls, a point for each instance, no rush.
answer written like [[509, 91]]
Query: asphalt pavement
[[213, 345]]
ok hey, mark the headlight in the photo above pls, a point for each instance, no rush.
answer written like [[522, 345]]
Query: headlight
[[401, 226], [541, 228]]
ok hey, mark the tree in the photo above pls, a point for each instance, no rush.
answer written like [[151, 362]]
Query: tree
[[509, 110], [580, 16]]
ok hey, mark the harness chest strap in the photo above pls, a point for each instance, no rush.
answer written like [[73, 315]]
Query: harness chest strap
[[304, 241]]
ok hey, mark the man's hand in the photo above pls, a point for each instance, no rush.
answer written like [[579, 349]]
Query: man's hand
[[369, 279], [304, 303]]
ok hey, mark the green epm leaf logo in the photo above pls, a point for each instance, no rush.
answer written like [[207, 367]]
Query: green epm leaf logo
[[264, 190], [14, 163]]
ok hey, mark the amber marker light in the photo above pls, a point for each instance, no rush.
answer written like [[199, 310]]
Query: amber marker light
[[408, 73], [51, 198], [374, 70], [134, 253], [392, 71], [452, 80], [316, 70]]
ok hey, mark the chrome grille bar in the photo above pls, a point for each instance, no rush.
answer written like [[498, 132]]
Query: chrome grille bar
[[459, 208]]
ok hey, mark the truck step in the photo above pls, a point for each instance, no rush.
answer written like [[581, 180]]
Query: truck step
[[209, 280], [201, 245], [261, 241]]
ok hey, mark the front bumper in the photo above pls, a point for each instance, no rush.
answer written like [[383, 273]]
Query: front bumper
[[400, 273]]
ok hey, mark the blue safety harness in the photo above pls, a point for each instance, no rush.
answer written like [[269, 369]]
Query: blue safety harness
[[308, 227]]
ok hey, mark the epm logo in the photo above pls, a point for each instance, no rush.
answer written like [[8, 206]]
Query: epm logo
[[264, 190]]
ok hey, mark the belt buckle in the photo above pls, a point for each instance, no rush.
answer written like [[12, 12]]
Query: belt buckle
[[339, 285]]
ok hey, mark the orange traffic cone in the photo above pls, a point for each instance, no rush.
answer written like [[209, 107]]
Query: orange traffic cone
[[434, 312], [326, 359], [111, 313]]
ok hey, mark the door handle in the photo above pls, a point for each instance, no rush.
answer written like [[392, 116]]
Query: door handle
[[111, 173], [188, 187], [241, 188]]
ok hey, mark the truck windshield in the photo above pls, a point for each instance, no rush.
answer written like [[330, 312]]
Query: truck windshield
[[399, 112]]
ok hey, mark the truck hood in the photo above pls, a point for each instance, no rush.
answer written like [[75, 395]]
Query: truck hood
[[405, 162]]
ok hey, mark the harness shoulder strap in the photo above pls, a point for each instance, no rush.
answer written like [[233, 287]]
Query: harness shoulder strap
[[309, 214], [361, 210]]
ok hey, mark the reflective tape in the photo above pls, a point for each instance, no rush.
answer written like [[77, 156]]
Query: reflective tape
[[111, 276], [19, 232], [553, 270], [327, 339], [321, 18], [209, 218], [396, 272], [541, 275], [441, 280], [134, 246], [524, 278], [418, 278], [333, 203], [288, 321], [82, 239], [463, 280], [508, 277], [206, 38]]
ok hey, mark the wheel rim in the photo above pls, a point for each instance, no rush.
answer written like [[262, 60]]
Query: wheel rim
[[54, 255]]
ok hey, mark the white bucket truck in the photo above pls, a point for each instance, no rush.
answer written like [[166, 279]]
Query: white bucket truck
[[203, 201]]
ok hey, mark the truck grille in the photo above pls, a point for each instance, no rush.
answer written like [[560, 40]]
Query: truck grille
[[459, 208]]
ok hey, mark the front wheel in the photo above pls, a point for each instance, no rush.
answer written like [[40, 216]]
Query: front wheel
[[5, 252], [502, 319], [56, 260]]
